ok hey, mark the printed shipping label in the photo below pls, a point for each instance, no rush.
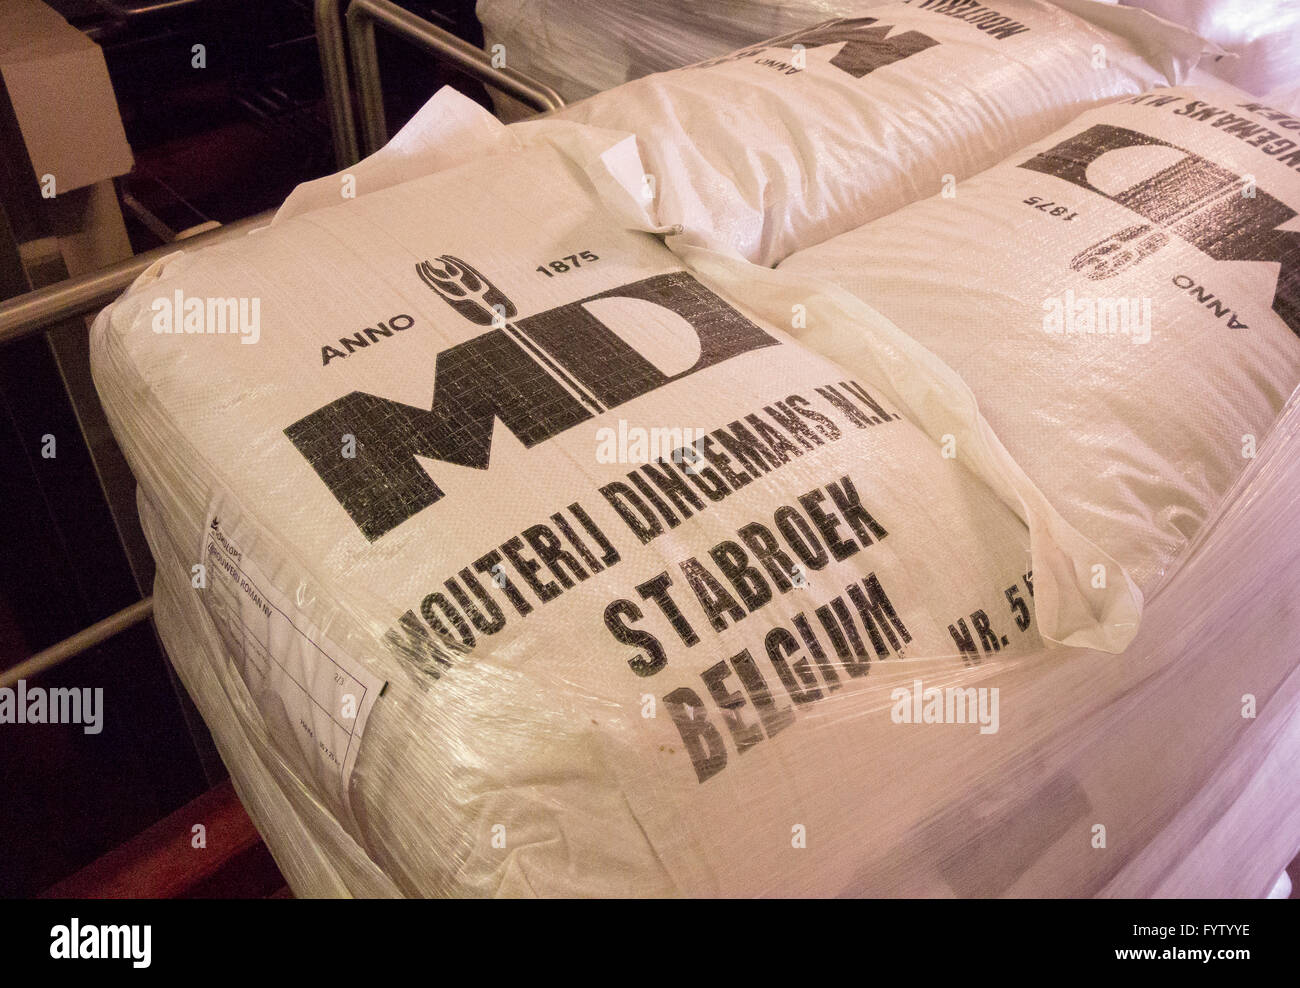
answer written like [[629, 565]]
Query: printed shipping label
[[315, 698]]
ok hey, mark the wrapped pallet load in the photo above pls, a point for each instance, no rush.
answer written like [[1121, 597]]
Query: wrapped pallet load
[[504, 556], [1123, 297], [578, 48], [787, 143]]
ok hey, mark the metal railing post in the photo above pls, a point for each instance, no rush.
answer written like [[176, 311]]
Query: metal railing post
[[363, 15], [334, 72], [39, 310], [365, 71]]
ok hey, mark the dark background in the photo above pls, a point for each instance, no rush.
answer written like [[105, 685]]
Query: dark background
[[220, 144]]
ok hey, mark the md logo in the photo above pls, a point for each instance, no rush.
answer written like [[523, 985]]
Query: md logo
[[539, 376]]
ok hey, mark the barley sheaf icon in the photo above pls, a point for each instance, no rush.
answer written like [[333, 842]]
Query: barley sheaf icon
[[465, 289]]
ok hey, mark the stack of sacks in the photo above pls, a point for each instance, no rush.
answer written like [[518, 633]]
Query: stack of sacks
[[504, 556], [1157, 433], [1122, 297], [579, 49], [781, 146]]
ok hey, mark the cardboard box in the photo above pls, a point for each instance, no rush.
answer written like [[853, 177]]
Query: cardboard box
[[58, 87]]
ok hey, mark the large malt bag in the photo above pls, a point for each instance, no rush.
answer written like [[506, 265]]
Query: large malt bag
[[452, 631], [1195, 798], [784, 144], [1123, 297]]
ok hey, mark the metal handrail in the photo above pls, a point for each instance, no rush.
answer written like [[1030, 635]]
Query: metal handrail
[[334, 72], [125, 12], [39, 310], [86, 638], [363, 15]]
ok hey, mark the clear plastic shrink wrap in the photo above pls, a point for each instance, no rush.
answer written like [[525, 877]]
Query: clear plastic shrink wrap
[[455, 336], [783, 145], [579, 48], [1172, 442], [1151, 744], [455, 636], [1262, 37], [1124, 299]]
